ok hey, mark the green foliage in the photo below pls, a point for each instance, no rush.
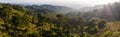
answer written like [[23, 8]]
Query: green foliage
[[1, 6], [95, 25], [17, 21], [4, 35], [1, 21], [107, 34], [46, 27], [19, 8]]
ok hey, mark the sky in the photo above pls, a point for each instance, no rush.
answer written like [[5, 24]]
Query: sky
[[75, 3]]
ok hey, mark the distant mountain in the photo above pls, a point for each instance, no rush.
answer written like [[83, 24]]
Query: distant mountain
[[49, 8], [87, 9]]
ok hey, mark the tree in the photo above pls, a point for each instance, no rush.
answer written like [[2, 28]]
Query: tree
[[19, 8], [93, 24]]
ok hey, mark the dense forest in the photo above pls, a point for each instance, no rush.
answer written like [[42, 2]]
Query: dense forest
[[58, 21]]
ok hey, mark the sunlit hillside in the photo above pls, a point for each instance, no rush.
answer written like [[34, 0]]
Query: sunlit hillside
[[59, 18]]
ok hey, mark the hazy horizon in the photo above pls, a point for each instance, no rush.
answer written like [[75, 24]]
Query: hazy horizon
[[69, 3]]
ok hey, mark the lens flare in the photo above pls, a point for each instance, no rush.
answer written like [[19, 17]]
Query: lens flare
[[108, 12]]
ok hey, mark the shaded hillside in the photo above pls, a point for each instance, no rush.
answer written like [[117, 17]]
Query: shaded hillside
[[50, 8]]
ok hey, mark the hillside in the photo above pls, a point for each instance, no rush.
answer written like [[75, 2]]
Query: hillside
[[58, 21], [50, 8]]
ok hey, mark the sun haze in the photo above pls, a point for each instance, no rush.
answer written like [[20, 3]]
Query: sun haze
[[69, 3]]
